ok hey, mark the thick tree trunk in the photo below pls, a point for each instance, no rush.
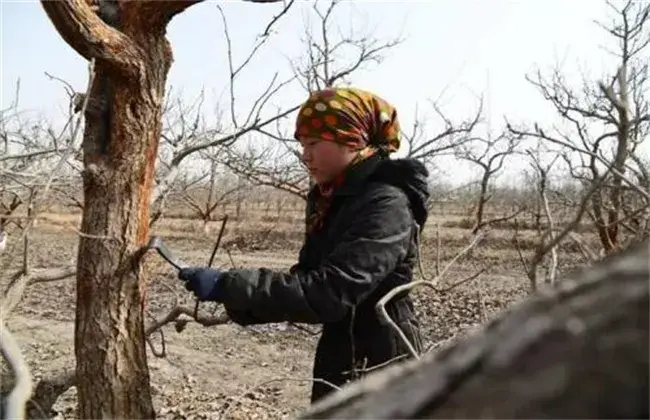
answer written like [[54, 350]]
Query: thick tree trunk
[[112, 372], [126, 40], [580, 351]]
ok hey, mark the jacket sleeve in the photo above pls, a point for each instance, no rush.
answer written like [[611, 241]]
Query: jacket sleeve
[[376, 238]]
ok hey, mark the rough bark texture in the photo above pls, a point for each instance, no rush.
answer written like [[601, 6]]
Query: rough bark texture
[[579, 351], [123, 123], [109, 337]]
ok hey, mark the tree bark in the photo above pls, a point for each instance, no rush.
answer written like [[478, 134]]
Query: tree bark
[[580, 351], [109, 333], [122, 130]]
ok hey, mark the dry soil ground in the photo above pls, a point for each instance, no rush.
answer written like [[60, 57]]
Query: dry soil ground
[[228, 371]]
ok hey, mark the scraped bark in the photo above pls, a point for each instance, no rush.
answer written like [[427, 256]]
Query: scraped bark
[[578, 351]]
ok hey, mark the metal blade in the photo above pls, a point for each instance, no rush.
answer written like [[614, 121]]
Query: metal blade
[[157, 243]]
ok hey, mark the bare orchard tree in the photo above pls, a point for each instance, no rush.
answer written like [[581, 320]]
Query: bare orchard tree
[[488, 154], [324, 64], [126, 42], [33, 166], [213, 187], [541, 175], [607, 123], [30, 149], [188, 131]]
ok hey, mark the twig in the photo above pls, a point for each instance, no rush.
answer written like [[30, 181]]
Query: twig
[[463, 281], [501, 219], [211, 260], [20, 280], [438, 247], [163, 347], [589, 254], [380, 307], [550, 275], [177, 311], [17, 399], [367, 370], [232, 261], [216, 245], [317, 380], [472, 244], [304, 329]]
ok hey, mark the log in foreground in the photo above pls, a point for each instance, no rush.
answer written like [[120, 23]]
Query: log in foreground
[[577, 351]]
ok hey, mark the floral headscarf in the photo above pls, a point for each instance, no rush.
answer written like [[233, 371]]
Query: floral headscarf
[[350, 116]]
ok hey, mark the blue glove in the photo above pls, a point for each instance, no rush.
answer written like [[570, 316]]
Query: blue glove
[[203, 281]]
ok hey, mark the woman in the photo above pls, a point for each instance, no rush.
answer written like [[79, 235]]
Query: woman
[[363, 218]]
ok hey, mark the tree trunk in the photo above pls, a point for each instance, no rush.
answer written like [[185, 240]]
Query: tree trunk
[[580, 351], [112, 372], [122, 130], [483, 198], [126, 42]]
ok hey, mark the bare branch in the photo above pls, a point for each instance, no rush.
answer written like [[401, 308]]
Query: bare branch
[[20, 281], [426, 147], [84, 31], [175, 314], [380, 307], [22, 390], [324, 65]]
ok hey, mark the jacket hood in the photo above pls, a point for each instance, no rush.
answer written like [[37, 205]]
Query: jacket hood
[[411, 176]]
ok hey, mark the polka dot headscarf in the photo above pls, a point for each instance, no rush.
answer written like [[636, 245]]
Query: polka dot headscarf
[[349, 116]]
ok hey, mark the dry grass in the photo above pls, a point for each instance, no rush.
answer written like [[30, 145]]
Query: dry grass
[[225, 362], [262, 226]]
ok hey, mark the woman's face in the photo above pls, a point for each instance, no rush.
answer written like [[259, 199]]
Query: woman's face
[[325, 159]]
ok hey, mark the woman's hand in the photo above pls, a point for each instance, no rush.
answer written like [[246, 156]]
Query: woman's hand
[[203, 281]]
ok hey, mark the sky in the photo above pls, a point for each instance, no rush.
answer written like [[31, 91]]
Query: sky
[[452, 52]]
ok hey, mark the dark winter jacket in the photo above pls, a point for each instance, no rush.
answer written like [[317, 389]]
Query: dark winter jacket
[[366, 248]]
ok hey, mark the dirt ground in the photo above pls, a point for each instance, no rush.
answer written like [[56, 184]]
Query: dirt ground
[[227, 371]]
